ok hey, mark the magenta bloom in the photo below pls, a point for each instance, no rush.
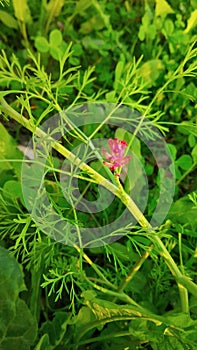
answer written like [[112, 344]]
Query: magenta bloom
[[116, 156]]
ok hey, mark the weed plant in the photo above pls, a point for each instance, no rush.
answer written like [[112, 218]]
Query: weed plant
[[94, 71]]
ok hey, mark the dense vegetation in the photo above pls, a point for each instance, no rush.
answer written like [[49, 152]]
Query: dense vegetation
[[98, 251]]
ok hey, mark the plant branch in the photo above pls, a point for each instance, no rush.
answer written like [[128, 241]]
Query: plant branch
[[118, 191], [135, 268]]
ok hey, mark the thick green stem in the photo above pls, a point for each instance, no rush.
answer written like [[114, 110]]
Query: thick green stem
[[4, 107], [116, 190], [183, 292]]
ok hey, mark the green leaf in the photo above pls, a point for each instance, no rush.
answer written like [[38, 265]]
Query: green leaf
[[44, 344], [22, 330], [168, 26], [107, 311], [140, 328], [22, 11], [122, 134], [120, 251], [181, 320], [58, 52], [151, 70], [41, 44], [194, 154], [54, 7], [74, 61], [57, 327], [85, 316], [118, 73], [192, 22], [55, 38], [184, 162], [149, 168], [17, 326], [163, 8], [187, 128], [173, 150], [141, 33], [92, 24], [135, 178], [55, 52], [192, 140], [147, 29], [183, 212], [14, 189], [84, 320], [8, 150], [89, 294], [77, 50], [11, 283], [111, 96], [82, 5], [193, 3], [8, 20]]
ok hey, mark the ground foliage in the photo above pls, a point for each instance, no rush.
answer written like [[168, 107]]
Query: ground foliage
[[56, 55]]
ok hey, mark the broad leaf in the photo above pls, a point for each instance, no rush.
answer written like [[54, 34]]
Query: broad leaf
[[43, 343], [8, 20], [163, 8], [17, 326], [41, 44], [183, 212], [54, 7], [22, 330], [55, 38], [9, 150], [22, 11], [56, 328]]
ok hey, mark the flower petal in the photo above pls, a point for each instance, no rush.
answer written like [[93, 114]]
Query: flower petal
[[117, 146], [116, 156]]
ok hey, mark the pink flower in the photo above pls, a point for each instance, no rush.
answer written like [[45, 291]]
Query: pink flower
[[116, 156]]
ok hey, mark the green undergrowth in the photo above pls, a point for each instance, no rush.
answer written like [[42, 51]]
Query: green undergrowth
[[69, 59]]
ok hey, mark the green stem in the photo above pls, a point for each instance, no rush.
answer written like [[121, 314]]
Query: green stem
[[4, 107], [23, 29], [130, 204], [183, 293], [117, 191], [35, 301], [50, 16], [94, 266], [180, 278], [121, 296], [192, 167], [135, 269], [109, 337], [188, 284]]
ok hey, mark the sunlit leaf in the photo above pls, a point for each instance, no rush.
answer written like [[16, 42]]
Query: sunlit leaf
[[163, 8], [22, 11], [8, 20], [192, 22]]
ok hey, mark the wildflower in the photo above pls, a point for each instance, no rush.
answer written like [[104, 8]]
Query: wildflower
[[116, 156]]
